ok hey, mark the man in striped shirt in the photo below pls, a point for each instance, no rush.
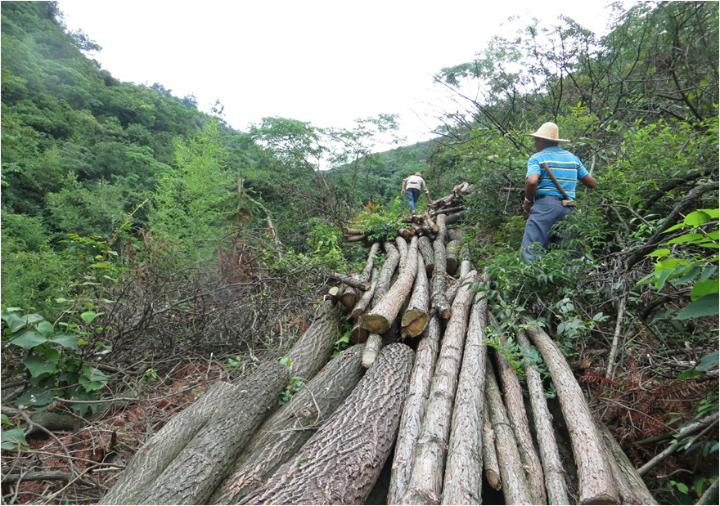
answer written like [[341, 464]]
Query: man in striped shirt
[[543, 200]]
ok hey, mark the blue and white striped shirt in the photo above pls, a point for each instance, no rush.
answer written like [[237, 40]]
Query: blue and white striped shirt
[[567, 169]]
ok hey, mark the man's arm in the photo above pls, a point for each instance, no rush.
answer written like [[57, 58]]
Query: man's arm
[[427, 194], [588, 181], [402, 192], [531, 186]]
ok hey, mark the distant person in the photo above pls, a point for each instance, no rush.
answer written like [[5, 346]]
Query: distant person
[[412, 185], [543, 199]]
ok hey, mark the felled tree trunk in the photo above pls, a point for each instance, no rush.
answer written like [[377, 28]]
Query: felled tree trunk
[[349, 280], [372, 349], [402, 247], [392, 259], [456, 234], [463, 476], [465, 264], [313, 349], [370, 264], [594, 474], [285, 432], [452, 249], [415, 318], [455, 217], [426, 478], [349, 297], [195, 473], [413, 411], [490, 460], [155, 455], [515, 486], [426, 249], [519, 422], [379, 318], [342, 461], [439, 302], [362, 304]]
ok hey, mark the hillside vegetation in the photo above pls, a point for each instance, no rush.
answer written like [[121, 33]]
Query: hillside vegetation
[[145, 241]]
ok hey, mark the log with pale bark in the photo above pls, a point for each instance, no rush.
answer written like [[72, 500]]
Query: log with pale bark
[[370, 263], [456, 234], [455, 217], [439, 283], [155, 455], [426, 249], [413, 411], [350, 280], [490, 460], [415, 318], [515, 486], [285, 432], [342, 461], [354, 238], [426, 477], [381, 316], [453, 199], [462, 483], [362, 304], [513, 396], [595, 478], [392, 259], [402, 247], [199, 468], [550, 455], [451, 256], [349, 297], [372, 349]]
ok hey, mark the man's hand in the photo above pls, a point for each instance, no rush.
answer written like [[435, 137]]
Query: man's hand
[[402, 192], [527, 205]]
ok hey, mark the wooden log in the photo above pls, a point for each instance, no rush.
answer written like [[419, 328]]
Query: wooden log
[[413, 411], [354, 238], [372, 349], [392, 259], [439, 301], [594, 474], [455, 217], [402, 247], [194, 474], [515, 486], [366, 274], [351, 231], [285, 432], [155, 455], [426, 478], [429, 224], [631, 486], [349, 297], [416, 317], [358, 334], [452, 249], [452, 290], [448, 210], [456, 234], [490, 460], [366, 297], [342, 461], [463, 477], [547, 444], [350, 280], [515, 405], [379, 318], [313, 349], [406, 233], [426, 249], [465, 264]]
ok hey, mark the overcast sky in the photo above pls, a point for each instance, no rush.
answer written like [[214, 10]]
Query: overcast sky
[[326, 62]]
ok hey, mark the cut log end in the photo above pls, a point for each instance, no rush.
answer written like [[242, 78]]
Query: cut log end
[[374, 323], [414, 322], [493, 479]]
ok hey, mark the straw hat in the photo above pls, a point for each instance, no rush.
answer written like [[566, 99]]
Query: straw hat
[[418, 174], [548, 131]]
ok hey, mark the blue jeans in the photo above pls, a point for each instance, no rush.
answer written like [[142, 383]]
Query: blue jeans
[[544, 213], [413, 194]]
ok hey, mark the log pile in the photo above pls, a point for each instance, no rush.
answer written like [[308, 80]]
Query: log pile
[[444, 416]]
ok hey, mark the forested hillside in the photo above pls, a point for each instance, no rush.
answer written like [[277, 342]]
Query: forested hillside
[[150, 250]]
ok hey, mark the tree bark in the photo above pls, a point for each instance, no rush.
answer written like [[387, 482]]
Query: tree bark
[[519, 422], [391, 262], [549, 454], [426, 249], [402, 247], [490, 460], [415, 318], [313, 349], [455, 217], [372, 349], [452, 249], [349, 297], [155, 455], [413, 411], [285, 432], [515, 486], [463, 476], [379, 318], [354, 238], [349, 280], [342, 461], [362, 304], [370, 264], [596, 484], [439, 302], [465, 264], [195, 473], [426, 478], [456, 234]]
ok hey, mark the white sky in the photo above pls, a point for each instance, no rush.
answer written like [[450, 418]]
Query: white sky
[[326, 62]]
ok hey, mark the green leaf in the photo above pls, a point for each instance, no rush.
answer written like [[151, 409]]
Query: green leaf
[[708, 271], [704, 306], [687, 375], [39, 366], [697, 218], [14, 322], [659, 253], [29, 339], [45, 328], [90, 316], [688, 276], [703, 288], [713, 213], [12, 439], [67, 340], [4, 419], [688, 239], [682, 488], [36, 397], [708, 361]]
